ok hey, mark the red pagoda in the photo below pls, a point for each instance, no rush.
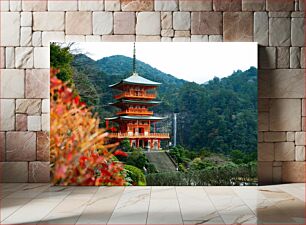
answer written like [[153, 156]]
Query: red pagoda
[[134, 118]]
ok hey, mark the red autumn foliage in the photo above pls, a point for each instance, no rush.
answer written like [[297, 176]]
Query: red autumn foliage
[[79, 152]]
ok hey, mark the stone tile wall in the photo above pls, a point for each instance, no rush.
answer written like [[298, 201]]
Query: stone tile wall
[[27, 26]]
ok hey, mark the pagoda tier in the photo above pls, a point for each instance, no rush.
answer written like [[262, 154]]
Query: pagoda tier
[[134, 119]]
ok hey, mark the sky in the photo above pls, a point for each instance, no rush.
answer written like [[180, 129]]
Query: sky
[[192, 61]]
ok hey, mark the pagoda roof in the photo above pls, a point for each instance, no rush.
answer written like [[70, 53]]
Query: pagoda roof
[[136, 118], [126, 101], [135, 79]]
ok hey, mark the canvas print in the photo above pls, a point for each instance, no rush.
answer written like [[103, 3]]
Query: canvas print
[[155, 114]]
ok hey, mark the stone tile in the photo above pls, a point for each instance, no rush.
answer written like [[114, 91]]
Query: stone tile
[[275, 136], [62, 5], [167, 33], [49, 21], [300, 138], [264, 173], [10, 57], [21, 122], [279, 33], [253, 5], [284, 151], [26, 19], [2, 146], [285, 115], [15, 6], [215, 38], [144, 38], [43, 146], [303, 58], [279, 14], [7, 114], [166, 39], [75, 38], [304, 107], [298, 14], [238, 26], [2, 57], [295, 57], [41, 57], [297, 32], [277, 174], [34, 123], [169, 5], [52, 36], [105, 18], [24, 57], [25, 36], [290, 136], [301, 5], [119, 38], [14, 172], [12, 83], [206, 23], [283, 57], [28, 106], [112, 5], [137, 5], [181, 21], [263, 105], [5, 5], [182, 33], [300, 153], [286, 5], [45, 122], [124, 22], [260, 137], [281, 83], [181, 39], [227, 5], [263, 121], [37, 39], [201, 5], [37, 83], [166, 20], [199, 38], [93, 38], [10, 29], [39, 172], [91, 5], [20, 146], [267, 57], [261, 28], [145, 28], [78, 23], [294, 172], [45, 106], [34, 5], [265, 152]]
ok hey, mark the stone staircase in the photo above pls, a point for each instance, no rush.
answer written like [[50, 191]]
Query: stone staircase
[[161, 160]]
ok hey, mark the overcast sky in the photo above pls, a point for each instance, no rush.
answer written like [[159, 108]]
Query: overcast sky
[[191, 61]]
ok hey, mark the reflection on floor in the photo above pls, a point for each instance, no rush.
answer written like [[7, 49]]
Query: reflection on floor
[[43, 204]]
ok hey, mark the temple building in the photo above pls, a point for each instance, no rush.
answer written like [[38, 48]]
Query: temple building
[[135, 120]]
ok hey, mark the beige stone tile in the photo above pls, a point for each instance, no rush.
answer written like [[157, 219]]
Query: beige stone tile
[[181, 39], [274, 136], [295, 57], [206, 23], [20, 146], [143, 38], [132, 208], [293, 172], [39, 172], [167, 33], [124, 22], [279, 32], [300, 138], [166, 20], [290, 136], [199, 38], [7, 114], [105, 18], [145, 28], [34, 5], [253, 5], [25, 36], [261, 28], [24, 57], [12, 83], [2, 57], [170, 5], [79, 23], [181, 21], [10, 29], [203, 5], [93, 38], [227, 5], [52, 36], [283, 57], [284, 151], [45, 106], [280, 5], [297, 32], [26, 19], [37, 83], [300, 153], [34, 123], [5, 5], [263, 121], [45, 122], [91, 5], [14, 172], [281, 83], [112, 5], [62, 5], [21, 122], [37, 38], [215, 38], [285, 115], [48, 21], [265, 151], [238, 26], [28, 106], [137, 5], [41, 57]]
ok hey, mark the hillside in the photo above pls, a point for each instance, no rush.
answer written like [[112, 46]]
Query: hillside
[[220, 115]]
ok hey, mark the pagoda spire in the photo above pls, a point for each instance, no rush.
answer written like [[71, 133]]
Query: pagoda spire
[[134, 59]]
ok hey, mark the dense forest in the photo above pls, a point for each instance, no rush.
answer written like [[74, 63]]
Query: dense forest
[[220, 115]]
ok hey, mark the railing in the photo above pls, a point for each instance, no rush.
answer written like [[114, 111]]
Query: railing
[[135, 112], [135, 95], [149, 135]]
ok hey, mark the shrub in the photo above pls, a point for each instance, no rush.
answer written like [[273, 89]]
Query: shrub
[[136, 175], [79, 154]]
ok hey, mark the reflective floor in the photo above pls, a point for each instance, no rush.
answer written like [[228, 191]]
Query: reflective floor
[[44, 204]]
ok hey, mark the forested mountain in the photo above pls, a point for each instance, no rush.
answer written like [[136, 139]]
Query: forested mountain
[[220, 115]]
